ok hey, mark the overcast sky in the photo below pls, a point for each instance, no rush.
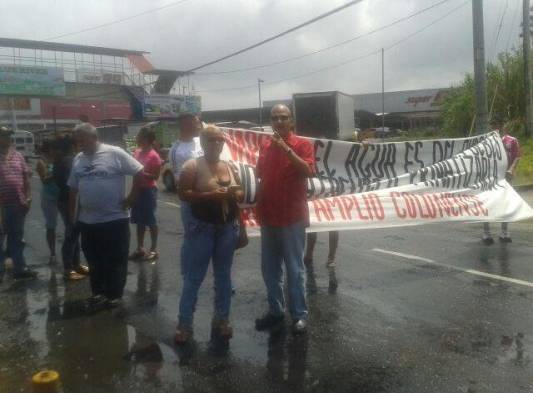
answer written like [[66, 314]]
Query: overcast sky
[[197, 31]]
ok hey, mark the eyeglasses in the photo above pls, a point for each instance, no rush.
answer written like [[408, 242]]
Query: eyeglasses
[[279, 118]]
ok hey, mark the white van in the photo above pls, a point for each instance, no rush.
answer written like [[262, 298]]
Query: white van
[[24, 143]]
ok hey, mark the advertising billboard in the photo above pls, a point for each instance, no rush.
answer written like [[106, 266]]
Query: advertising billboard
[[84, 75], [170, 106], [21, 105], [96, 110], [31, 80]]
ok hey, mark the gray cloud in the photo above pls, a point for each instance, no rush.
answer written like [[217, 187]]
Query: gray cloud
[[197, 31]]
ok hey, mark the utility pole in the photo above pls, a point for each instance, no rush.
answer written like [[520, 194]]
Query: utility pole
[[259, 81], [480, 77], [382, 91], [526, 36]]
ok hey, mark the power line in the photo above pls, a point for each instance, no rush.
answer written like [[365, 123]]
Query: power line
[[428, 25], [376, 51], [501, 22], [498, 31], [293, 77], [117, 21], [399, 42], [498, 82], [397, 21], [352, 60], [313, 20], [513, 21]]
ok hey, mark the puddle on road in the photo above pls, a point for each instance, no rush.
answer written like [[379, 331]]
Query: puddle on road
[[151, 361], [515, 350]]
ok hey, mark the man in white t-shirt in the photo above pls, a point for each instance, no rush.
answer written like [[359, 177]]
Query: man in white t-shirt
[[97, 184], [187, 146]]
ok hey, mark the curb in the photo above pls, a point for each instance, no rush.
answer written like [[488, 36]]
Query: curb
[[524, 187]]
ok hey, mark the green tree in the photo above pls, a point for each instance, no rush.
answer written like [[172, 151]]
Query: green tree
[[505, 91]]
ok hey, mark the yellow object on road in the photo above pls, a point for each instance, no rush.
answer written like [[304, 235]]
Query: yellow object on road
[[46, 381]]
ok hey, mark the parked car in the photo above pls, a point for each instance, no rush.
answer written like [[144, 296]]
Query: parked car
[[167, 176], [382, 132], [24, 143]]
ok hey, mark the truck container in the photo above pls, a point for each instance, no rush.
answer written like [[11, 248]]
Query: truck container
[[327, 114]]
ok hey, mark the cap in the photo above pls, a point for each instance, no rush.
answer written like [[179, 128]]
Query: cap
[[4, 131]]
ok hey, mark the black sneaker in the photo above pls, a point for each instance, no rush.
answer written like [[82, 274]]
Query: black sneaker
[[268, 321], [488, 241], [299, 327], [95, 303], [95, 299], [25, 275], [114, 303], [505, 239]]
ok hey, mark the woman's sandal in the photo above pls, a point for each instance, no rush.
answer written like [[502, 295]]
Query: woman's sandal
[[183, 334], [330, 264], [152, 255], [222, 329]]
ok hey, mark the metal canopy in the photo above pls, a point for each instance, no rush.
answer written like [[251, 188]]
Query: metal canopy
[[168, 73], [60, 47]]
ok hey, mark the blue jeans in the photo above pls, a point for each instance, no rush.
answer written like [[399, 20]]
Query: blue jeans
[[284, 244], [13, 229], [203, 242], [186, 216], [70, 251]]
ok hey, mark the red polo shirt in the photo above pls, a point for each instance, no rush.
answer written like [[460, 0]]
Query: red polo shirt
[[282, 196]]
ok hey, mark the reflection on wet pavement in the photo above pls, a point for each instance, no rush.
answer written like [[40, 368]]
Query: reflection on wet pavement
[[376, 325], [287, 358]]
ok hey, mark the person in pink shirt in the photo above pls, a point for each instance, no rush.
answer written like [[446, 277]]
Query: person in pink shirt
[[143, 210], [512, 148]]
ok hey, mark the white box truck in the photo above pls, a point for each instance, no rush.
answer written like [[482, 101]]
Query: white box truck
[[328, 114]]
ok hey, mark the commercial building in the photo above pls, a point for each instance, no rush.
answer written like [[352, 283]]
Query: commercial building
[[48, 85], [403, 110]]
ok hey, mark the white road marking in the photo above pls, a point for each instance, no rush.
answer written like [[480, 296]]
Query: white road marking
[[459, 269], [170, 203]]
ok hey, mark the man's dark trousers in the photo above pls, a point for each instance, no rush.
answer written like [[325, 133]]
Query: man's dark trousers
[[106, 247]]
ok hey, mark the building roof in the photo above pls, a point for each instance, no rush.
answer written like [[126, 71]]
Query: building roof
[[60, 47], [406, 101], [426, 100]]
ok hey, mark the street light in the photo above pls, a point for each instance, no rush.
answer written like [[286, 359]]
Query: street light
[[259, 81]]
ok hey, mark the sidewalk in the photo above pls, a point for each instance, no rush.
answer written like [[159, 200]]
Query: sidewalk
[[527, 194]]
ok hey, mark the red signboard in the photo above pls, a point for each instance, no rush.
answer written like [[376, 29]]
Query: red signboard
[[95, 110]]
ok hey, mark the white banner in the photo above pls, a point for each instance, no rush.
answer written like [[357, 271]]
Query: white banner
[[394, 184]]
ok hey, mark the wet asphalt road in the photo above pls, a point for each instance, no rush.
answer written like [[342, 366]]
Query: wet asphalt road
[[413, 312]]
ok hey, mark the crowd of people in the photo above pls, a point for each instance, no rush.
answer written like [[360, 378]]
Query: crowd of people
[[84, 182]]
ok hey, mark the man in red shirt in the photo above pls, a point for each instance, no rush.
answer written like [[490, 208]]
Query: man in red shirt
[[285, 163], [15, 202]]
